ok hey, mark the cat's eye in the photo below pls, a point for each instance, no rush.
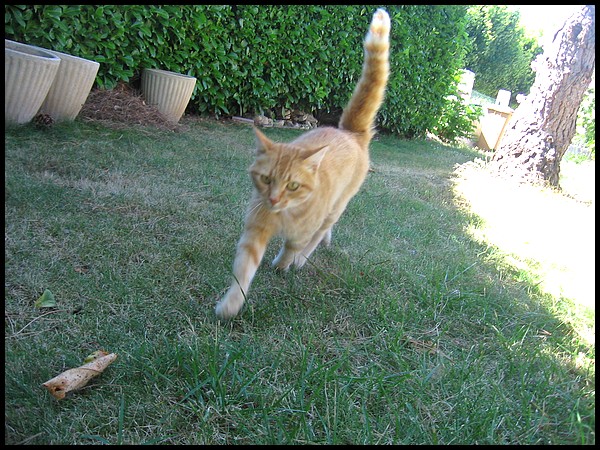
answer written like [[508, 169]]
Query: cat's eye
[[265, 179], [293, 185]]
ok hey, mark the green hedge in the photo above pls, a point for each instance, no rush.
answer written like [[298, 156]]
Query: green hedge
[[250, 59]]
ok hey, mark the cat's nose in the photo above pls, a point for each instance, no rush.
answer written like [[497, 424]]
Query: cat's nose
[[274, 200]]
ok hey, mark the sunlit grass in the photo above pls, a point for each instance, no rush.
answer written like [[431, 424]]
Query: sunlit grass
[[548, 236]]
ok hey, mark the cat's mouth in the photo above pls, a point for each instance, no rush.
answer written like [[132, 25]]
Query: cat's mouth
[[277, 207]]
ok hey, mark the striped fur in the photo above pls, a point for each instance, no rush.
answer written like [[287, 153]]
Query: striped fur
[[301, 188]]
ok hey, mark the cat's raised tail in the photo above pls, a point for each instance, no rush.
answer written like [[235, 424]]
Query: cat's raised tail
[[359, 115]]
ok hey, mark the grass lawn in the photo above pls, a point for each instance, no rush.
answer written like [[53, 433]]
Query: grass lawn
[[417, 326]]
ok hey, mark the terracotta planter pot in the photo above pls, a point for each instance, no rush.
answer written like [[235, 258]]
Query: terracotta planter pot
[[71, 86], [170, 92], [28, 75]]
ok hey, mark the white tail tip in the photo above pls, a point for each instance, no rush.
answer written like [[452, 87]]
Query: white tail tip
[[380, 26]]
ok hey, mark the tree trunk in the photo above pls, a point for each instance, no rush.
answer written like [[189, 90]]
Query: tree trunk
[[542, 127]]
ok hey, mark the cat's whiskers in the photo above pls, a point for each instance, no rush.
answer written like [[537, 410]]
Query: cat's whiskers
[[255, 207]]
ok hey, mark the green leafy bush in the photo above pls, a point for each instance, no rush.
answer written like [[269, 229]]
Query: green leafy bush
[[250, 59], [457, 119], [499, 52], [586, 119]]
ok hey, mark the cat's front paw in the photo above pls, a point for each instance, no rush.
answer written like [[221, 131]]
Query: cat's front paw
[[327, 238], [230, 304], [283, 261], [279, 265], [300, 260]]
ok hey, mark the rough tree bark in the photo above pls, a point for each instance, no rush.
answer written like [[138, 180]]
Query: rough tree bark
[[542, 127]]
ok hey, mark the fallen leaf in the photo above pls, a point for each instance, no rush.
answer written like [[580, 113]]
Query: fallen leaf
[[46, 300], [94, 356], [73, 379]]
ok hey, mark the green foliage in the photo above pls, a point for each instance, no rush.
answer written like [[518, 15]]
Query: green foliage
[[458, 117], [499, 52], [427, 53], [583, 144], [586, 120], [249, 58], [457, 120]]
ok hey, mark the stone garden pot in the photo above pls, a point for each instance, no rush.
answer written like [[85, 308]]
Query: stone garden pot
[[28, 75], [71, 86], [170, 92]]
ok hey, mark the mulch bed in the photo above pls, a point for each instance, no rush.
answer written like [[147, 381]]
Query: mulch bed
[[121, 107]]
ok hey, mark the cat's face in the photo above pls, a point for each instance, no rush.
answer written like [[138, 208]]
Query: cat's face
[[285, 176]]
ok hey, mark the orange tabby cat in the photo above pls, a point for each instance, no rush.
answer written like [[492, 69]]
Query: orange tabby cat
[[303, 187]]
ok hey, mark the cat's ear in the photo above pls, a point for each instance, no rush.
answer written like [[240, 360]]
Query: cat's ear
[[263, 143], [313, 157]]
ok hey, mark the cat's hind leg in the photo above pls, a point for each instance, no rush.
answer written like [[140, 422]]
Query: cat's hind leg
[[297, 254], [323, 234], [305, 253]]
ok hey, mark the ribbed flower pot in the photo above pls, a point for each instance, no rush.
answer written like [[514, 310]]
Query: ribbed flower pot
[[170, 92], [71, 86], [28, 76]]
